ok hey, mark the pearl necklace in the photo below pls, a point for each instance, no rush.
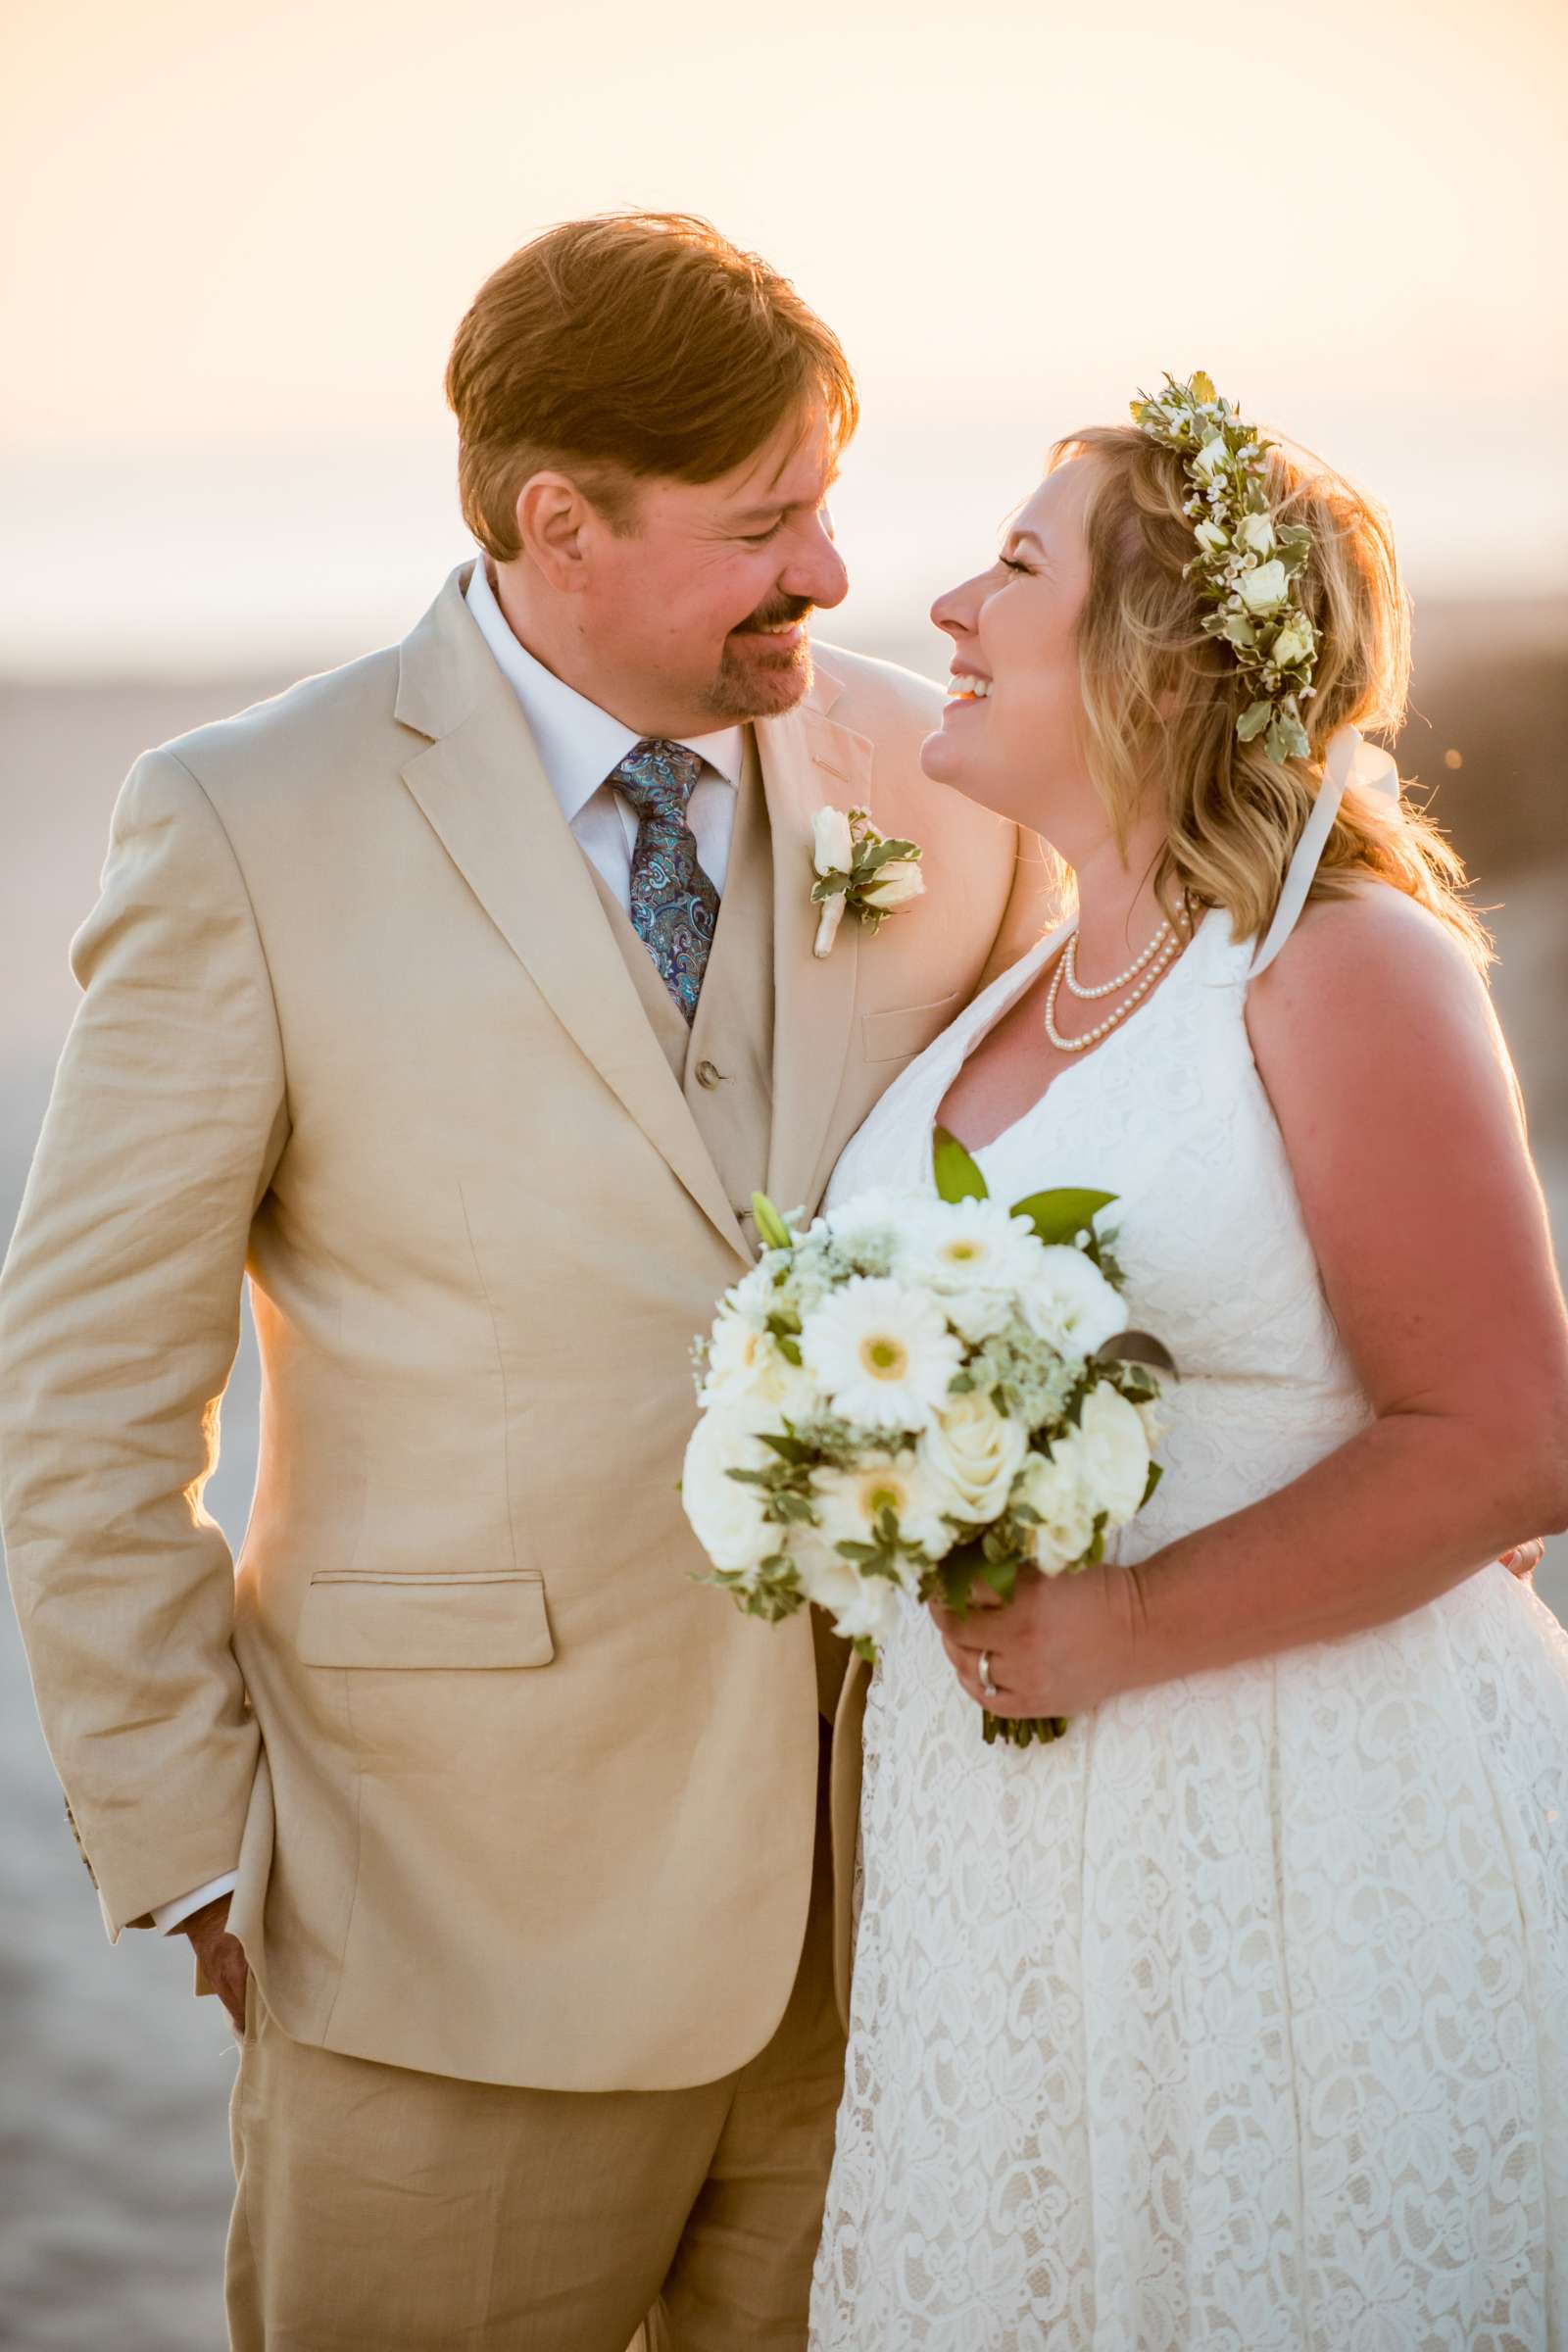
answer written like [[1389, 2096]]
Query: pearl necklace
[[1069, 968], [1081, 1044]]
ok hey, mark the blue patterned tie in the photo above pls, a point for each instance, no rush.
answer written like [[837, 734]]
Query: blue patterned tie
[[674, 905]]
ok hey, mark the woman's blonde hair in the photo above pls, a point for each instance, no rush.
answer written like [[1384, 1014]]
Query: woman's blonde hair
[[1161, 697]]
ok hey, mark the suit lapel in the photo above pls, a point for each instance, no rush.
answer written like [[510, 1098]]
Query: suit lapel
[[482, 789], [809, 763]]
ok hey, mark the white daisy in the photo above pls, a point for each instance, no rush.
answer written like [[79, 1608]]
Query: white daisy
[[746, 1364], [882, 1353], [977, 1259], [849, 1502]]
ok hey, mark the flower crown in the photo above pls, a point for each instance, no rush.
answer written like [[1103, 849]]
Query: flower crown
[[1248, 566]]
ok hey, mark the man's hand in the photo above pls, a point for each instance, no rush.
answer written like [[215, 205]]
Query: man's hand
[[221, 1955]]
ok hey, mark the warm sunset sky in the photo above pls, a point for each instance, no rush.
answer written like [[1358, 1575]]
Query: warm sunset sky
[[240, 239]]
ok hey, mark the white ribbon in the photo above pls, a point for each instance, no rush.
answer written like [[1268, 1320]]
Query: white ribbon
[[1349, 760]]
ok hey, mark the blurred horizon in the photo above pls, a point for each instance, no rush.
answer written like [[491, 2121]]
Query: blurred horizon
[[243, 242]]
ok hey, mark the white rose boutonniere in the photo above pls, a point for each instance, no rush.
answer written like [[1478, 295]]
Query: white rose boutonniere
[[858, 867]]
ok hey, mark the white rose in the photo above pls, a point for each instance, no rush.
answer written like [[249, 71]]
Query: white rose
[[1256, 534], [977, 1452], [726, 1517], [1293, 644], [1070, 1303], [1210, 537], [1056, 1491], [1263, 590], [832, 842], [1213, 456], [895, 883], [863, 1607], [1114, 1452]]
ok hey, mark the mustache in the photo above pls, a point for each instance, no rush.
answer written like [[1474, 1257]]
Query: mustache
[[777, 616]]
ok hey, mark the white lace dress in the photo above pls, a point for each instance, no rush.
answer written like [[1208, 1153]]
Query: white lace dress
[[1238, 2018]]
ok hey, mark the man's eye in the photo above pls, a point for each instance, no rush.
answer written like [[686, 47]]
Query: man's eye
[[762, 538]]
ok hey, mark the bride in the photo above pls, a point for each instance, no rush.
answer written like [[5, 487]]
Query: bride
[[1239, 2016]]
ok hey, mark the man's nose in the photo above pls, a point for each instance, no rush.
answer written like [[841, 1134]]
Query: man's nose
[[817, 572]]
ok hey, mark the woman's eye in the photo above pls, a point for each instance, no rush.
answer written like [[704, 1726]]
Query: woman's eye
[[1011, 563]]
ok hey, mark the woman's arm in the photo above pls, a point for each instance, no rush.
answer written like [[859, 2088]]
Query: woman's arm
[[1399, 1112]]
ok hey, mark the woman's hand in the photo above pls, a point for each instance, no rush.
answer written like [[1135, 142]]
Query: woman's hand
[[1524, 1559], [1062, 1646]]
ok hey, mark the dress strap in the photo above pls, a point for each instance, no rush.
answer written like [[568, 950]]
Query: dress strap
[[1349, 760]]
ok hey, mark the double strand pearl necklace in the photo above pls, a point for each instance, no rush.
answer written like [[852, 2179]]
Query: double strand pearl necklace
[[1150, 963]]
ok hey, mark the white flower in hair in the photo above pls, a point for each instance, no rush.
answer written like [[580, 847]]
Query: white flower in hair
[[1263, 590], [1250, 567], [881, 1352]]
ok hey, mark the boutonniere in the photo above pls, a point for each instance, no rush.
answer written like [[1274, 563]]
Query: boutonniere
[[858, 867]]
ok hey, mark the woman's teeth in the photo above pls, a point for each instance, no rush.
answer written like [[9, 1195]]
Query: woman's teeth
[[969, 690]]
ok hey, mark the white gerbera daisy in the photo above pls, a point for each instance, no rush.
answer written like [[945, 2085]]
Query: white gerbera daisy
[[746, 1364], [882, 1353], [849, 1502], [977, 1258]]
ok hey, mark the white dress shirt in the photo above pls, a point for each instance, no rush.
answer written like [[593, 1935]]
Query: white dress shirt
[[579, 745]]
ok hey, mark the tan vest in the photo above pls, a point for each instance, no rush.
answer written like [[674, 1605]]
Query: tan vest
[[724, 1062]]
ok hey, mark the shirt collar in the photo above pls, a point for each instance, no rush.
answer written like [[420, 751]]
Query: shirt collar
[[579, 744]]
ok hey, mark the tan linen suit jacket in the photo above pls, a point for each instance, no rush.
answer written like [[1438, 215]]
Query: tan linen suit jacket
[[513, 1799]]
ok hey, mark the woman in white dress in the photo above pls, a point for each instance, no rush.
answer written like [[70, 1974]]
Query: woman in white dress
[[1238, 2018]]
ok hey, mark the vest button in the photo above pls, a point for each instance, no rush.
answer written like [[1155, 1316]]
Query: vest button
[[706, 1075]]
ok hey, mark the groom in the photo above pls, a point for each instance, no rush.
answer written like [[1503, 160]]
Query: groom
[[462, 997]]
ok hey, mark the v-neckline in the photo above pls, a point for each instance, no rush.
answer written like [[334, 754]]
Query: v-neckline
[[1037, 959]]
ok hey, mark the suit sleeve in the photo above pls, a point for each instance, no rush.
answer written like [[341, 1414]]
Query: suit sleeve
[[120, 1313]]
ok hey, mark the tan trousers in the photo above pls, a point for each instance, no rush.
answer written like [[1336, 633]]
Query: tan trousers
[[380, 2210]]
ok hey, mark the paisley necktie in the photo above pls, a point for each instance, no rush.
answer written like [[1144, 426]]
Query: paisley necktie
[[673, 903]]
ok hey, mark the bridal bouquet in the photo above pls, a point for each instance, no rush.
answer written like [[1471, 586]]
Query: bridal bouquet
[[913, 1394]]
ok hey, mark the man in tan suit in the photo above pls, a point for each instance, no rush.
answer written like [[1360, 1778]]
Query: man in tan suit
[[462, 997]]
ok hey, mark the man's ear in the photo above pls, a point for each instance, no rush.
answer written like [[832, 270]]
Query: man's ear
[[553, 519]]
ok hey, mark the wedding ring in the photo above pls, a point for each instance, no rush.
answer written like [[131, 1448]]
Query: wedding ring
[[986, 1682]]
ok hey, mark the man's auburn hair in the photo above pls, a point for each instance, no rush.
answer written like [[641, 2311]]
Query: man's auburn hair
[[625, 348]]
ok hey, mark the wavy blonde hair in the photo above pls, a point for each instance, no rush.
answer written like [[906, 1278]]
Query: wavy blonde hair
[[1161, 698]]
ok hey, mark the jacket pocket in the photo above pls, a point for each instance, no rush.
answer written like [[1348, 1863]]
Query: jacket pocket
[[905, 1029], [360, 1617]]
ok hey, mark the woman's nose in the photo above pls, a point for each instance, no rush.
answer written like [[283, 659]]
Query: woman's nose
[[955, 611]]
